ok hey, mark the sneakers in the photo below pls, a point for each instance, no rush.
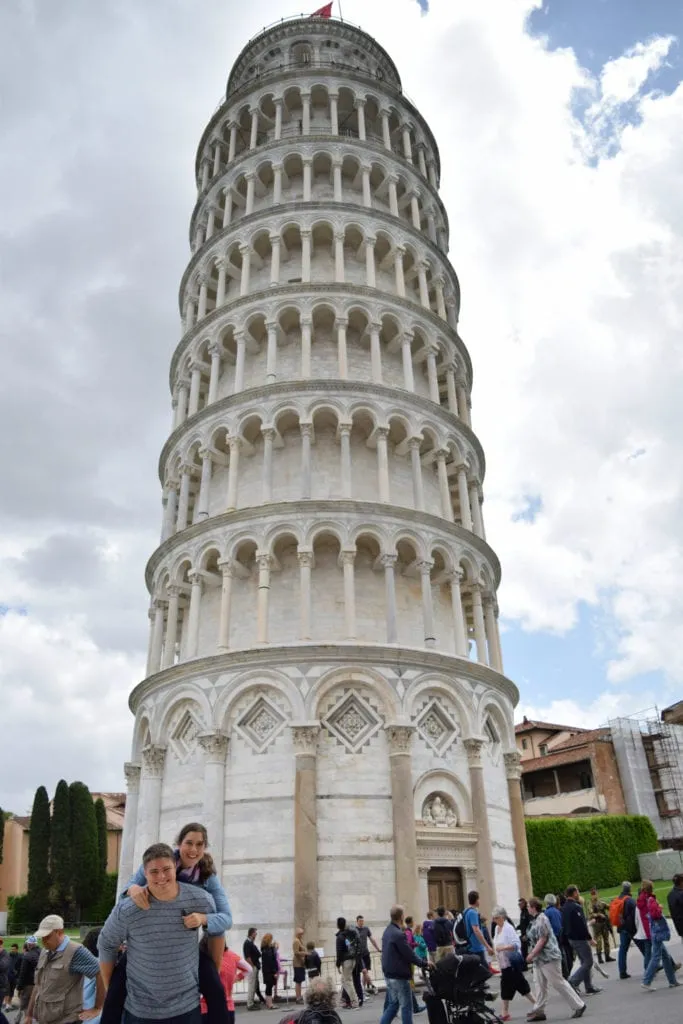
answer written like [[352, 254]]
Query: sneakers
[[674, 984], [593, 991], [623, 977], [580, 1012], [648, 988], [535, 1015]]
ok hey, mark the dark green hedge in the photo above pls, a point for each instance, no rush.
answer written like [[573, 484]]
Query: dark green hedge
[[600, 851]]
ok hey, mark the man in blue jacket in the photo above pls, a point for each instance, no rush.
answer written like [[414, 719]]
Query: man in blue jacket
[[397, 957], [576, 930]]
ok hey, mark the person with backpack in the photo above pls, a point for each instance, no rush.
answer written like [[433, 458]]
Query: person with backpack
[[348, 953], [476, 940], [622, 916], [443, 934], [428, 933], [659, 936]]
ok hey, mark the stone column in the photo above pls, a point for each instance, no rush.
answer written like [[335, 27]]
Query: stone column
[[277, 184], [485, 878], [348, 557], [422, 164], [459, 627], [388, 562], [422, 281], [444, 488], [407, 148], [386, 134], [245, 253], [271, 352], [345, 445], [308, 165], [334, 113], [367, 197], [479, 625], [305, 566], [513, 772], [195, 384], [274, 261], [233, 473], [306, 437], [475, 508], [278, 118], [360, 107], [227, 209], [392, 180], [184, 496], [183, 393], [407, 356], [432, 376], [405, 843], [461, 395], [149, 807], [227, 571], [241, 342], [416, 467], [306, 113], [253, 137], [232, 145], [203, 295], [196, 581], [268, 437], [202, 505], [425, 568], [304, 739], [383, 463], [171, 510], [306, 255], [215, 351], [399, 253], [337, 179], [215, 747], [495, 660], [370, 278], [450, 389], [342, 353], [154, 663], [440, 303], [463, 495], [127, 864], [264, 563], [339, 272], [306, 325], [171, 625]]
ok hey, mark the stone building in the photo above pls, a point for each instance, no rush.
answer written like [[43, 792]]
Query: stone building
[[325, 687]]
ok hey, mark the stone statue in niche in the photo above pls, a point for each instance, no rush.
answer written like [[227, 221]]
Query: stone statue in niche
[[439, 813]]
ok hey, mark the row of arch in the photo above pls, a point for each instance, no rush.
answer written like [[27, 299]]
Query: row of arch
[[323, 452], [305, 174], [337, 585], [309, 249], [324, 340], [310, 108], [153, 720]]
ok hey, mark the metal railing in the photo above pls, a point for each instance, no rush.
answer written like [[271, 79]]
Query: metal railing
[[328, 971]]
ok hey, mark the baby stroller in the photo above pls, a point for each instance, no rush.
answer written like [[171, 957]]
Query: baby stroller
[[455, 994]]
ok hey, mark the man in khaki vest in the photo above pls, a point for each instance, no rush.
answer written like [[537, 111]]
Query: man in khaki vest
[[57, 997]]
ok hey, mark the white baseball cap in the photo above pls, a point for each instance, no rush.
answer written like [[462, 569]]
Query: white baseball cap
[[51, 923]]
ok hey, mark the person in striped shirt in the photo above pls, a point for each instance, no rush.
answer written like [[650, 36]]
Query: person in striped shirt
[[161, 943]]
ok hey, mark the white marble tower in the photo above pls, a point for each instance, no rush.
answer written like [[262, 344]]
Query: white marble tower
[[325, 686]]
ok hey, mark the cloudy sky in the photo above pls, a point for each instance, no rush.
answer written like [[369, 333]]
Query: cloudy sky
[[562, 152]]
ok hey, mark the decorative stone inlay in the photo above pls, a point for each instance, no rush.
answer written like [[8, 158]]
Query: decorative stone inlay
[[353, 722], [183, 739], [437, 728], [438, 811], [261, 724]]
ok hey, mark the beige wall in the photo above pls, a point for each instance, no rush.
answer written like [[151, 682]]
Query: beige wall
[[14, 867], [535, 737]]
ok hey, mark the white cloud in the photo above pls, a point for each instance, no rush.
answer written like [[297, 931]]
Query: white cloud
[[569, 250]]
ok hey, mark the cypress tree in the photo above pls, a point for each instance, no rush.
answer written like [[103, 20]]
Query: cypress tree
[[85, 859], [39, 855], [2, 832], [101, 818], [60, 847]]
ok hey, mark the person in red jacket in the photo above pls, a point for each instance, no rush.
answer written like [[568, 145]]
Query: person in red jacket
[[659, 934]]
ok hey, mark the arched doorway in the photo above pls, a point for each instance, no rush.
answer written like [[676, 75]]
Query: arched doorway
[[444, 886]]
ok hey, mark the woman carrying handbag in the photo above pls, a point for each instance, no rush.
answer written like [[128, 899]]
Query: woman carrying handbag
[[659, 935]]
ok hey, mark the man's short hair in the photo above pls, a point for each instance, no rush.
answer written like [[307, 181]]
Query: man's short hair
[[396, 912], [341, 924], [550, 900], [571, 890], [472, 897], [251, 933], [678, 878], [360, 917], [440, 911], [626, 886], [157, 851]]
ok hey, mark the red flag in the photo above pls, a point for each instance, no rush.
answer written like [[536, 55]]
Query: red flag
[[323, 12]]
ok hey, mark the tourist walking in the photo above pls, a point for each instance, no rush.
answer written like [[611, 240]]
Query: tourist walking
[[598, 918], [232, 967], [397, 961], [508, 949], [269, 967], [443, 934], [642, 936], [575, 928], [298, 963], [90, 1001], [365, 937], [313, 961], [659, 936], [162, 968], [622, 916], [420, 946], [524, 922], [477, 943], [58, 982], [13, 974], [27, 972], [348, 953], [428, 932], [675, 901], [252, 954], [5, 964], [544, 955]]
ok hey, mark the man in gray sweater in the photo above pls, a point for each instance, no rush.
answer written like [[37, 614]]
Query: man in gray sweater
[[163, 953]]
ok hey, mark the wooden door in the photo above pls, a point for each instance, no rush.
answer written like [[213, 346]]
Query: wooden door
[[444, 886]]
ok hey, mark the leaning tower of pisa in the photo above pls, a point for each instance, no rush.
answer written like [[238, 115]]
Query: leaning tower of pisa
[[324, 686]]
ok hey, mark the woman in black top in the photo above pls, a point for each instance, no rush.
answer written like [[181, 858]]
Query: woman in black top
[[269, 967], [523, 926]]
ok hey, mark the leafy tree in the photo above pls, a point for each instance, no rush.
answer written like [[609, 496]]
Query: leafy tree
[[101, 818], [39, 855], [60, 847], [85, 859]]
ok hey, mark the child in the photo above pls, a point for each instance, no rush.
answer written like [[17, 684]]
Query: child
[[420, 944], [313, 964]]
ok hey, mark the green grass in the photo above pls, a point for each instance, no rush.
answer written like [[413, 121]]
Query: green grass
[[73, 933], [661, 890]]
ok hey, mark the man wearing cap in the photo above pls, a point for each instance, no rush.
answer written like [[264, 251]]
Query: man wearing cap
[[57, 996]]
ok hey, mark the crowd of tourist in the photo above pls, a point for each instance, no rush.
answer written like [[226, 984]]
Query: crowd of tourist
[[147, 963]]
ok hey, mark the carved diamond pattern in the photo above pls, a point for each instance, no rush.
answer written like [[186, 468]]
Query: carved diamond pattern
[[260, 724], [184, 736], [353, 722], [436, 727]]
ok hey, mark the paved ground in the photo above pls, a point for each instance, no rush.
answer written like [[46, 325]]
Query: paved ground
[[620, 1002]]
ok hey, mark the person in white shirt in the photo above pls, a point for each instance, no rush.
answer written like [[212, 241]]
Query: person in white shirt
[[508, 948]]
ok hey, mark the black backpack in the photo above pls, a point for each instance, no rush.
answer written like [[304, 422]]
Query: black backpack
[[352, 943], [461, 929]]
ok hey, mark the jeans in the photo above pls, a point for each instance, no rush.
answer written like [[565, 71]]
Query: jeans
[[624, 943], [193, 1017], [660, 952], [582, 973], [645, 947], [399, 996]]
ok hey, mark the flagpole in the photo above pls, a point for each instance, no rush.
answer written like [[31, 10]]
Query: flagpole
[[341, 16]]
